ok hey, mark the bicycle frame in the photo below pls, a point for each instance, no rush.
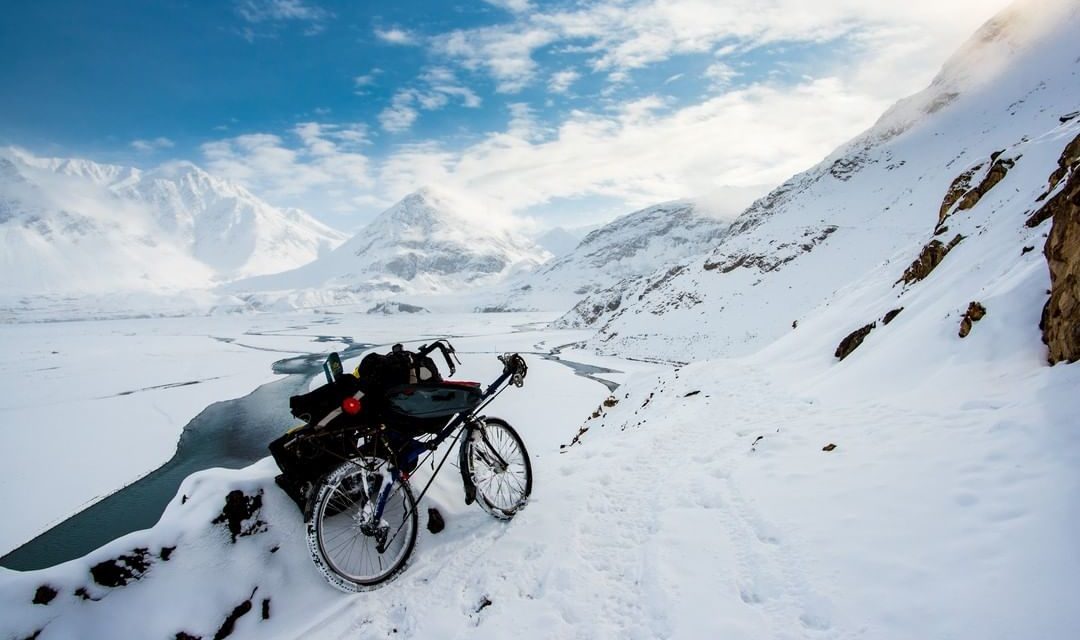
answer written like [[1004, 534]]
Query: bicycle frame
[[417, 448]]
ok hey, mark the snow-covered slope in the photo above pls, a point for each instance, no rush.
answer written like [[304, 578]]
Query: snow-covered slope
[[426, 243], [76, 226], [631, 246], [872, 204]]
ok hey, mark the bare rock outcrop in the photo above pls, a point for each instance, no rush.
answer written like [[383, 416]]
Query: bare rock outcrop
[[1061, 316], [853, 340], [974, 313], [996, 174], [929, 258]]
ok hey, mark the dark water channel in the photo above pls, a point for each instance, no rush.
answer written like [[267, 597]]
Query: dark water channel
[[231, 434]]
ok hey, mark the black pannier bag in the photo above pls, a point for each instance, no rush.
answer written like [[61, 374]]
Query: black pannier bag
[[402, 389], [314, 405]]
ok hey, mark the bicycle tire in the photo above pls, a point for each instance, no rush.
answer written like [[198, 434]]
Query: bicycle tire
[[335, 533], [501, 492]]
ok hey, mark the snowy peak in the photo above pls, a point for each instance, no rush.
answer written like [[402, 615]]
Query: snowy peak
[[428, 242]]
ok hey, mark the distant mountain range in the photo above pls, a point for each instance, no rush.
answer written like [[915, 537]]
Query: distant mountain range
[[631, 246], [79, 227], [427, 243]]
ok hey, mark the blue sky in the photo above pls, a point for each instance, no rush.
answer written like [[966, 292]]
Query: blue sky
[[559, 113]]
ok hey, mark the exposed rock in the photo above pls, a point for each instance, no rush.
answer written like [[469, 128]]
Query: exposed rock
[[184, 635], [435, 522], [1027, 250], [577, 439], [1061, 316], [611, 401], [240, 514], [853, 340], [44, 594], [1068, 164], [266, 609], [828, 447], [692, 393], [120, 571], [996, 174], [890, 316], [974, 313], [166, 553], [929, 258], [394, 308], [240, 611], [484, 603], [661, 281], [85, 595], [957, 189], [780, 255]]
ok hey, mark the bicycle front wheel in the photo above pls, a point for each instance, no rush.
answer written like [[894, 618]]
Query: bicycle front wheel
[[355, 547], [498, 466]]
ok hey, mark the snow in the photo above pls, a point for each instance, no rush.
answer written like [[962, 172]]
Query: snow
[[926, 486], [124, 390], [632, 245]]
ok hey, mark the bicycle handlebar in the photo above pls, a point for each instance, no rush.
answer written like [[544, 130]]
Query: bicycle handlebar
[[514, 366]]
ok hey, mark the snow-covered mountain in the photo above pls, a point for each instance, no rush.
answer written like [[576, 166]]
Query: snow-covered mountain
[[1001, 108], [633, 245], [559, 241], [76, 226], [427, 243]]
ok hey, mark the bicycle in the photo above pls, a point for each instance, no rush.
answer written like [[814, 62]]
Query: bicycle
[[360, 516]]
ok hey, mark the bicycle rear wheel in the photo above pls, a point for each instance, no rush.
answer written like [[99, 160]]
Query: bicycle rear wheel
[[498, 466], [354, 550]]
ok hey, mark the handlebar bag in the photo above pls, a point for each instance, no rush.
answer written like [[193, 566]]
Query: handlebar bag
[[428, 407]]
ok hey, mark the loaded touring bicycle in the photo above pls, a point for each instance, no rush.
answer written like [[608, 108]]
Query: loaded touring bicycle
[[348, 466]]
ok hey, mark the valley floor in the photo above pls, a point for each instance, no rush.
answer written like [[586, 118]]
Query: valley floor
[[702, 504]]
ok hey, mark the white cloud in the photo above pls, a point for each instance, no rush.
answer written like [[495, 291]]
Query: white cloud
[[400, 115], [515, 6], [560, 81], [619, 36], [266, 14], [721, 74], [324, 171], [504, 52], [643, 151], [438, 86], [155, 144], [394, 35]]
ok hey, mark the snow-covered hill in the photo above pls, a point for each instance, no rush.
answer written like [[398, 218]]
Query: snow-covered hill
[[427, 243], [1003, 98], [78, 227], [631, 246]]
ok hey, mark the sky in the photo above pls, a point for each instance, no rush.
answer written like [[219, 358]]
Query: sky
[[555, 113]]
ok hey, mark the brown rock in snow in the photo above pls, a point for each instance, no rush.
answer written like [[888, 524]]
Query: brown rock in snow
[[974, 313]]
